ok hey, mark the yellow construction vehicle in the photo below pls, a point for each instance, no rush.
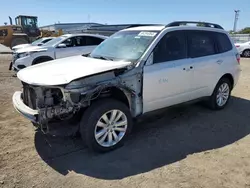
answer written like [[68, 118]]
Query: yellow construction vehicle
[[47, 33], [24, 31]]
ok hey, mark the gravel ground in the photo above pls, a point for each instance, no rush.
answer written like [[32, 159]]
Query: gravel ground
[[183, 147]]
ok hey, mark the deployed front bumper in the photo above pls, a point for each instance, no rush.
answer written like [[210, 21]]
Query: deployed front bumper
[[23, 109]]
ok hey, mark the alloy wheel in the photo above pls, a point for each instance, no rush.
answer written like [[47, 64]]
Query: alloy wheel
[[111, 128], [223, 94]]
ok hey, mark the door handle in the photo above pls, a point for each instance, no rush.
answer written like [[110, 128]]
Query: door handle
[[219, 61], [188, 69]]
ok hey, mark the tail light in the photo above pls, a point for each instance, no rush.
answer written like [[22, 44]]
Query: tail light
[[238, 57], [237, 46]]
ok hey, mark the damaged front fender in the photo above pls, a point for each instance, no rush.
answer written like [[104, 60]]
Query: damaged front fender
[[83, 91]]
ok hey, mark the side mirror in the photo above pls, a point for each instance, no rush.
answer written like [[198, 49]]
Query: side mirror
[[61, 45], [39, 44]]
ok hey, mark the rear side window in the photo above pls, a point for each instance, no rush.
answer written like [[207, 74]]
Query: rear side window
[[93, 41], [46, 40], [224, 43], [80, 41], [201, 43], [171, 47]]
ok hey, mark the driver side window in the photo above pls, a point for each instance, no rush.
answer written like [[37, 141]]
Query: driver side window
[[171, 47], [70, 42]]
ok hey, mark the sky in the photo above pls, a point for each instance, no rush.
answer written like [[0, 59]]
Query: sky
[[129, 11]]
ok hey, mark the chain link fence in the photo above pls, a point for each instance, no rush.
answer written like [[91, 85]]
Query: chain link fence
[[240, 38]]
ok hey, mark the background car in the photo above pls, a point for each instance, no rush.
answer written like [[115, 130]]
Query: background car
[[243, 48], [38, 42], [59, 47]]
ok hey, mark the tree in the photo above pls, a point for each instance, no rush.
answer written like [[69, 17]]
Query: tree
[[200, 24], [246, 30]]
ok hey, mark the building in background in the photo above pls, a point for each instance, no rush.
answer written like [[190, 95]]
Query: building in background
[[240, 38], [68, 27]]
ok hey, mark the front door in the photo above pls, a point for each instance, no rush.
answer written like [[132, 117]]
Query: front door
[[69, 50], [167, 81]]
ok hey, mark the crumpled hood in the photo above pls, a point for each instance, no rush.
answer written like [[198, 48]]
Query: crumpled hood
[[62, 71], [20, 46], [31, 49]]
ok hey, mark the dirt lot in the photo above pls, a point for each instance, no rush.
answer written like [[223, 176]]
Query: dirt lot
[[184, 147]]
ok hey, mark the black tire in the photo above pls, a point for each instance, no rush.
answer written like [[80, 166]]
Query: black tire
[[41, 60], [246, 53], [17, 41], [91, 117], [212, 102]]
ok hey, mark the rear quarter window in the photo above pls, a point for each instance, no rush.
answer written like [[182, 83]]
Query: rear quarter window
[[92, 41], [201, 43], [224, 43], [46, 40]]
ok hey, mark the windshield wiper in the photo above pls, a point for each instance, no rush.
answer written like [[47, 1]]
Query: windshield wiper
[[86, 55], [102, 57]]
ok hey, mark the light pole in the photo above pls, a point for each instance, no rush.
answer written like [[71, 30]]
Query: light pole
[[236, 19]]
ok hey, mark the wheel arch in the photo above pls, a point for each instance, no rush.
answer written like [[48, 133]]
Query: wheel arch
[[42, 57], [119, 94], [247, 49], [229, 77]]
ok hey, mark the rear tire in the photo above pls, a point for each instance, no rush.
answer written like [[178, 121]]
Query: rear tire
[[246, 53], [221, 95], [101, 131]]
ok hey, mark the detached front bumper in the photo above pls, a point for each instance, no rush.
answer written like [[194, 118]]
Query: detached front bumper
[[23, 109]]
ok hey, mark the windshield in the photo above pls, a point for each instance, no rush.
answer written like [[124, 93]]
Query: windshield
[[54, 41], [37, 41], [124, 45], [29, 21]]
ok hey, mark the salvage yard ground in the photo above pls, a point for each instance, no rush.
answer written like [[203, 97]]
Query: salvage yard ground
[[188, 146]]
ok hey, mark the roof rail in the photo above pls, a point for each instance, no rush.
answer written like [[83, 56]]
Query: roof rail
[[202, 24]]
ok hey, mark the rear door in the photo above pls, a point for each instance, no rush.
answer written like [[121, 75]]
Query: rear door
[[206, 61], [85, 44], [91, 43], [168, 80]]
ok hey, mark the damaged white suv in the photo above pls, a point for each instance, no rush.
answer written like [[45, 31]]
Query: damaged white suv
[[133, 72]]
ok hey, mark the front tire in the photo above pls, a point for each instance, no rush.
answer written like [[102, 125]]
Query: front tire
[[221, 95], [105, 125], [41, 60]]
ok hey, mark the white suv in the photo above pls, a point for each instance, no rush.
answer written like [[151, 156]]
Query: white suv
[[63, 46], [133, 72], [243, 48]]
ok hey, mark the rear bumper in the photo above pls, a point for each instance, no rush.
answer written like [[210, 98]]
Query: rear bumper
[[26, 111]]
